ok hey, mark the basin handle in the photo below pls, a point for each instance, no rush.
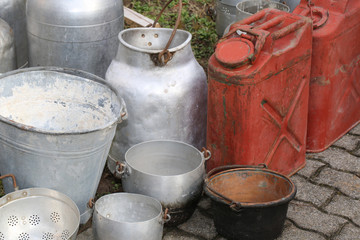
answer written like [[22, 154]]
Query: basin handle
[[124, 112], [91, 203], [16, 187], [120, 168], [166, 216], [206, 154]]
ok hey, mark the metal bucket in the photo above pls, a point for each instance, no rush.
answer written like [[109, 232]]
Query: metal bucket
[[170, 171], [249, 7], [38, 213], [249, 203], [56, 129], [7, 48], [13, 12], [128, 216]]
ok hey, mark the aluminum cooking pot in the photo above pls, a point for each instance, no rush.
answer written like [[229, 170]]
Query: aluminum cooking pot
[[172, 172], [128, 216]]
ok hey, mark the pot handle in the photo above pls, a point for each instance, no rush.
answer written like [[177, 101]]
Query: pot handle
[[165, 55], [16, 187], [120, 168], [166, 216], [236, 206], [206, 154], [124, 112]]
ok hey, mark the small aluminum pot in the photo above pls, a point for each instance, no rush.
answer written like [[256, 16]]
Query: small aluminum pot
[[247, 8], [172, 172], [128, 216]]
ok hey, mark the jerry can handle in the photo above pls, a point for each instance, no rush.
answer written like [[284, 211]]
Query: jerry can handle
[[165, 55]]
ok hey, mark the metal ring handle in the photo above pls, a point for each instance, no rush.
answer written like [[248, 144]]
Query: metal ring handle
[[206, 154], [13, 179], [167, 216], [120, 168]]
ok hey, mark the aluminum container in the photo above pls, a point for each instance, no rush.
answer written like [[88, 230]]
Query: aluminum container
[[78, 34], [170, 171], [247, 8], [7, 48], [56, 129], [165, 102], [128, 216], [13, 12]]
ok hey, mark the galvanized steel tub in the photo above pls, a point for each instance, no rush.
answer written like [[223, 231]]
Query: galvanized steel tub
[[7, 48], [128, 216], [78, 34], [172, 172], [56, 128], [38, 213], [248, 202], [13, 12], [247, 8], [164, 101]]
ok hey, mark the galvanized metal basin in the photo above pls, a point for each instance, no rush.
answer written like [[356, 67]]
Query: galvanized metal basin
[[56, 128], [128, 216], [249, 7], [7, 48], [38, 213]]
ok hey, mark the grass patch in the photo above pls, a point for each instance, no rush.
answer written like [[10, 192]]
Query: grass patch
[[196, 18], [2, 192]]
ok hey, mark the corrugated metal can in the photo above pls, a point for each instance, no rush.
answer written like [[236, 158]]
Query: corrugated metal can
[[335, 72], [13, 12], [7, 48], [165, 101], [77, 34], [258, 92]]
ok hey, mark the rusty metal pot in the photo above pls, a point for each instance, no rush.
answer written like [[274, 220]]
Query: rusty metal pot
[[249, 203], [172, 172]]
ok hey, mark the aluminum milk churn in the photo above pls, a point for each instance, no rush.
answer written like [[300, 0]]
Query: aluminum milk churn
[[334, 101], [77, 34], [258, 92], [166, 92], [13, 12], [7, 48]]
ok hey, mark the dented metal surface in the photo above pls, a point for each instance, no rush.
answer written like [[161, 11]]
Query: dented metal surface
[[7, 48], [165, 102], [13, 12], [170, 171], [57, 124], [334, 101], [74, 33], [127, 216], [258, 92]]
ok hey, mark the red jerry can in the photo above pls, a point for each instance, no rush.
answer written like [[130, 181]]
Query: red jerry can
[[258, 92], [334, 101]]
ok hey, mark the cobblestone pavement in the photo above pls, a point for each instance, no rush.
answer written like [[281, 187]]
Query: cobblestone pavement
[[326, 207]]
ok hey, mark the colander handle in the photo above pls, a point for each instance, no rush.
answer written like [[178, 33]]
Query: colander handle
[[13, 179]]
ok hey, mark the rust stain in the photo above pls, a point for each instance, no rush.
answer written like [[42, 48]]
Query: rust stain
[[321, 81]]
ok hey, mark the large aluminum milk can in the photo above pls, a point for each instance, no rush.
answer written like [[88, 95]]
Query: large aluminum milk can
[[165, 100], [334, 101], [258, 92], [13, 12], [7, 48], [77, 34]]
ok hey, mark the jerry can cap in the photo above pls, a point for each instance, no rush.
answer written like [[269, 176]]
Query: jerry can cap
[[234, 52]]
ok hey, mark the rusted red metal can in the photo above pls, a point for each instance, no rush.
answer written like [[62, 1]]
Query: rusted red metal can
[[258, 92], [334, 103]]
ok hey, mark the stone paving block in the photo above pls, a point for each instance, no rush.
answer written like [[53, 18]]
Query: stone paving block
[[200, 225], [355, 130], [339, 159], [349, 232], [345, 206], [310, 168], [308, 217], [293, 233], [345, 182], [86, 235], [349, 142], [176, 234], [307, 191]]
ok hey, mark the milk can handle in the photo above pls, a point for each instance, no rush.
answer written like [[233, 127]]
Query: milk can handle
[[165, 55], [13, 179], [236, 206]]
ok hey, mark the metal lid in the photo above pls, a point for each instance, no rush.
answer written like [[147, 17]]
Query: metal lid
[[74, 12], [234, 52]]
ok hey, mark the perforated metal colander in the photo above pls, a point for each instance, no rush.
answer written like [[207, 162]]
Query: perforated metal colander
[[38, 214]]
